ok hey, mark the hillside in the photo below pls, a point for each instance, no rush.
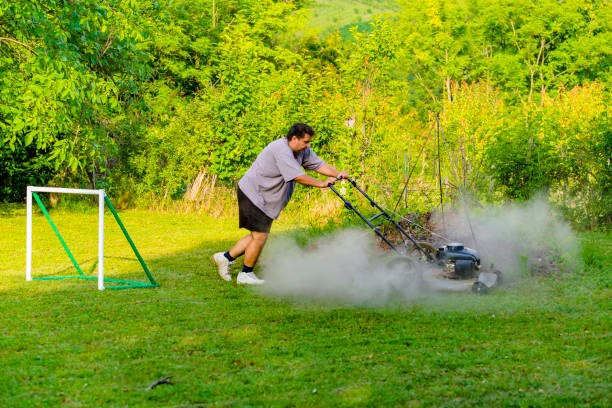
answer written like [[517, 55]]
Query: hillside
[[329, 15]]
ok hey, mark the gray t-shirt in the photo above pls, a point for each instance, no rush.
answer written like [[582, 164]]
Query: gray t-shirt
[[269, 183]]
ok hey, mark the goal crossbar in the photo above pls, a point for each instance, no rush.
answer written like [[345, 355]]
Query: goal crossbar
[[102, 201]]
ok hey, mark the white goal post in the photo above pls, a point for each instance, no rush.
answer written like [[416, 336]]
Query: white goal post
[[102, 200]]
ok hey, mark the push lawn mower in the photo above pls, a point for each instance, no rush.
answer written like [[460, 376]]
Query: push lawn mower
[[457, 268]]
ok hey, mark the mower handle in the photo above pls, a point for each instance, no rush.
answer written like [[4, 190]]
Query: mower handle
[[373, 203], [350, 180], [337, 179]]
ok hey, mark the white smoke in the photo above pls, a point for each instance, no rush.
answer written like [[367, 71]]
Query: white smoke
[[517, 239], [349, 267], [346, 266]]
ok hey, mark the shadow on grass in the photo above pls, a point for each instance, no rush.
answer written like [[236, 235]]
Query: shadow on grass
[[12, 209], [170, 271]]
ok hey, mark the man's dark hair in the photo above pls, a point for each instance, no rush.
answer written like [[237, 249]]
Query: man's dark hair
[[299, 130]]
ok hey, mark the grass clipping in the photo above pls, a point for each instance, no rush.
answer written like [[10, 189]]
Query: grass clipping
[[348, 266]]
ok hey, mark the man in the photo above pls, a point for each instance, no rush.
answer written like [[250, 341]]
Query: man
[[265, 189]]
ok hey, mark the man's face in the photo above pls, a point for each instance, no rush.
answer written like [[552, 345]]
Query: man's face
[[299, 145]]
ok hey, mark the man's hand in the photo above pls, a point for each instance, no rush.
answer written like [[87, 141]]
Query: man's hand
[[330, 180], [343, 174], [326, 170]]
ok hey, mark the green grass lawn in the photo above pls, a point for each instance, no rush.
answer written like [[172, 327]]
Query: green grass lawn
[[542, 342]]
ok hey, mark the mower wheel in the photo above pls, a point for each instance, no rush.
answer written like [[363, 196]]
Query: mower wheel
[[402, 262], [406, 265], [418, 254], [479, 288], [406, 272], [500, 277]]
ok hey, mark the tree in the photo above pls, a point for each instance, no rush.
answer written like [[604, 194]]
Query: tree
[[67, 71]]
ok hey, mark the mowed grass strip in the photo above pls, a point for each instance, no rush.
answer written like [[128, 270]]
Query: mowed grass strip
[[542, 342]]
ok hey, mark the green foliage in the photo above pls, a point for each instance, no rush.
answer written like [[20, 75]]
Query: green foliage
[[471, 125], [22, 167], [140, 97], [233, 116], [68, 69], [561, 147], [596, 251], [522, 47]]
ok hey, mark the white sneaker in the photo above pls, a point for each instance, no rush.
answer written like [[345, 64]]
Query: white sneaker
[[223, 265], [249, 278]]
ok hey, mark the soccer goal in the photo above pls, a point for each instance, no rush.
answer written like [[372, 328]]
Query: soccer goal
[[103, 201]]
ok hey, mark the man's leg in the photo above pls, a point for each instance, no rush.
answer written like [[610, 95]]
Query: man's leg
[[224, 260], [249, 245], [253, 249], [240, 246]]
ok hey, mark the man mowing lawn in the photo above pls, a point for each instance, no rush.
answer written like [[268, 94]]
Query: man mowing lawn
[[265, 189]]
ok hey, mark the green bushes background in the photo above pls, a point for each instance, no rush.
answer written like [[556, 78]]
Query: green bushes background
[[143, 97]]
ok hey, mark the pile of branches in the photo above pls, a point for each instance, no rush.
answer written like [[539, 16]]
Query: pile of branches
[[418, 225]]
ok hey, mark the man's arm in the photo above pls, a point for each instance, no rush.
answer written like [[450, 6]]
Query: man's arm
[[306, 180], [325, 170], [329, 171]]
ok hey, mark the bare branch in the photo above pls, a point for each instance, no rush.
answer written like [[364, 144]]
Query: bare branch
[[109, 41], [420, 78], [543, 43], [515, 36], [7, 40]]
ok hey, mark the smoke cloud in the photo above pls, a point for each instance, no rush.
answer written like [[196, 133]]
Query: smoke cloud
[[517, 239], [348, 266]]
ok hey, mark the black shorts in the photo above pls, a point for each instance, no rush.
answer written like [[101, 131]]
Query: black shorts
[[251, 217]]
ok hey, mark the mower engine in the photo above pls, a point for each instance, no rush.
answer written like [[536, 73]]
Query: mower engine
[[457, 261]]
